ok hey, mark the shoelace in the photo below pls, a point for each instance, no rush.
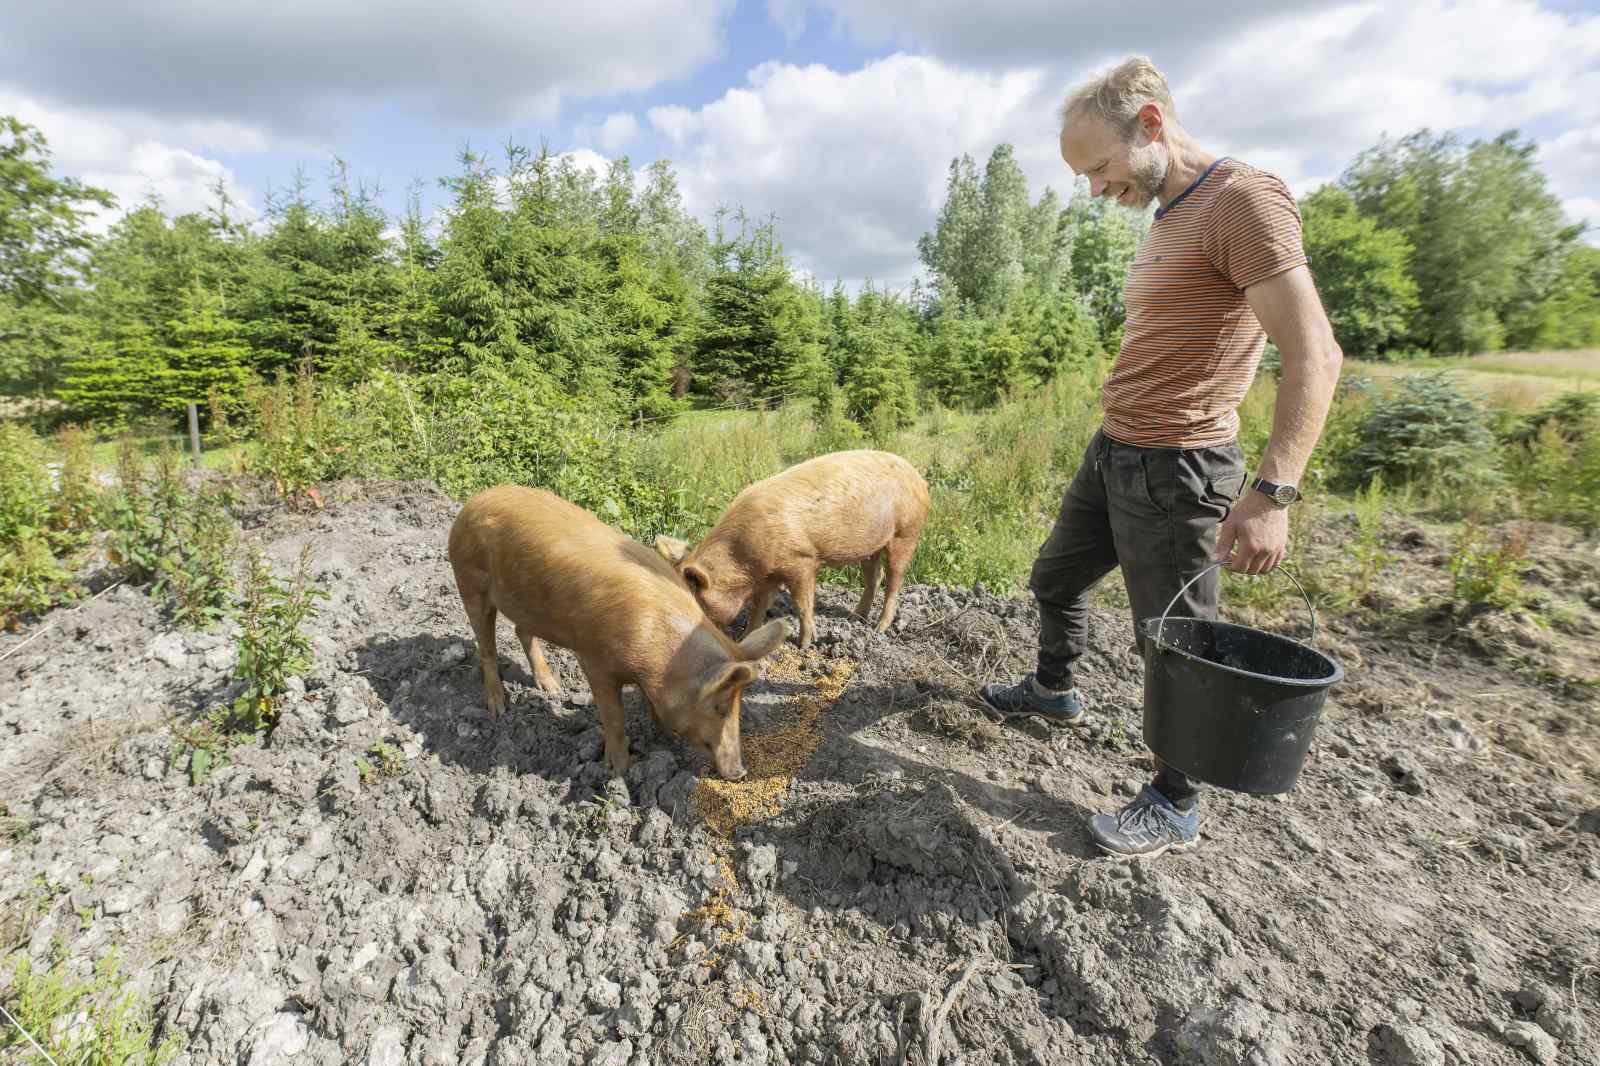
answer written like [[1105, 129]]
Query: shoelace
[[1148, 818]]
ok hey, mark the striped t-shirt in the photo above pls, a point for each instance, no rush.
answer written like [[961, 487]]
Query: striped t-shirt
[[1190, 344]]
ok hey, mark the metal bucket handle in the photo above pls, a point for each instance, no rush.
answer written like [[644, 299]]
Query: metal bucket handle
[[1281, 569]]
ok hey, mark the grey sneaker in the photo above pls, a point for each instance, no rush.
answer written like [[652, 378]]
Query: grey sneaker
[[1064, 708], [1149, 825]]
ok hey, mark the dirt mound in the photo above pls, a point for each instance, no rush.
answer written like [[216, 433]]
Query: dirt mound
[[394, 878]]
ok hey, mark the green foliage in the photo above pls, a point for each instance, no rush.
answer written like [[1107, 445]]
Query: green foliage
[[1488, 236], [1573, 416], [25, 492], [1362, 272], [1424, 431], [197, 579], [1556, 451], [32, 579], [93, 1021], [989, 241], [1104, 239], [42, 237], [177, 536], [271, 648], [879, 386], [1368, 557], [304, 434], [1486, 570], [762, 331], [41, 524], [1569, 315], [77, 495]]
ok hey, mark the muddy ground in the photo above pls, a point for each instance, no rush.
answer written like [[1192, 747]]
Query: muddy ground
[[394, 878]]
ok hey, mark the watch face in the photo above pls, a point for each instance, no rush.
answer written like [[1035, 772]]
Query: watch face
[[1284, 494]]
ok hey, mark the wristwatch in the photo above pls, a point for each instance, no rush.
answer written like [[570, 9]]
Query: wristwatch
[[1281, 495]]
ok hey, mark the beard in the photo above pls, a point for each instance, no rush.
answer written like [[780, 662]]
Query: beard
[[1148, 167]]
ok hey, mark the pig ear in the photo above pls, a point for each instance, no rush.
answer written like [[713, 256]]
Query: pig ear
[[696, 577], [764, 641], [728, 677], [671, 549]]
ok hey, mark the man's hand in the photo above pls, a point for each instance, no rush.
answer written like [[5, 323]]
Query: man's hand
[[1254, 536]]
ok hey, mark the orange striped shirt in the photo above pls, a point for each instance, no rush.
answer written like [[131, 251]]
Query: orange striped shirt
[[1191, 344]]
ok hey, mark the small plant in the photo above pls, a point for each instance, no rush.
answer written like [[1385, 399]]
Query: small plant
[[180, 538], [135, 533], [32, 579], [34, 538], [92, 1022], [197, 575], [77, 499], [386, 762], [299, 439], [1366, 550], [24, 483], [1485, 571], [270, 644]]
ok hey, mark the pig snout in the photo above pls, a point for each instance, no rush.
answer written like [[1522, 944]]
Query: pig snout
[[729, 761]]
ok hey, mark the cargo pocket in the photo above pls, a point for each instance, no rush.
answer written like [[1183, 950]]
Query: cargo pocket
[[1225, 474]]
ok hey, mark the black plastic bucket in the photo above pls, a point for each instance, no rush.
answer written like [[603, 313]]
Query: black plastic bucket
[[1229, 705]]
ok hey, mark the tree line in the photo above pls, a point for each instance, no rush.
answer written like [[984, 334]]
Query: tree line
[[604, 288]]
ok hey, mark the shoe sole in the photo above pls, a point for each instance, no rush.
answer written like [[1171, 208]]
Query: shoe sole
[[1176, 845], [1000, 714]]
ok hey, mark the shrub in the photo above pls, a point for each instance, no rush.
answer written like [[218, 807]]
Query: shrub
[[177, 538], [1485, 570], [32, 580], [1575, 416], [1423, 432], [38, 526], [270, 644], [25, 492]]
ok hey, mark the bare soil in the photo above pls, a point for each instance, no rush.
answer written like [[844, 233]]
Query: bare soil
[[392, 877]]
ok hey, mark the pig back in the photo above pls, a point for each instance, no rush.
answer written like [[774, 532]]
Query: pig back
[[838, 508], [554, 568]]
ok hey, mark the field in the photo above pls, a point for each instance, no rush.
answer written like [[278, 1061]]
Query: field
[[1520, 380], [387, 875]]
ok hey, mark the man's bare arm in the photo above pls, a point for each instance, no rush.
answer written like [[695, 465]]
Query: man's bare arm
[[1254, 536], [1289, 309]]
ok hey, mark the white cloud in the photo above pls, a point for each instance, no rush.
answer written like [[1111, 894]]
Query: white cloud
[[1070, 34], [618, 130], [133, 157], [1572, 162], [678, 124], [588, 159], [302, 66], [854, 165], [1363, 72]]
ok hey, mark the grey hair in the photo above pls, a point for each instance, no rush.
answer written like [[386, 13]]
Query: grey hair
[[1116, 96]]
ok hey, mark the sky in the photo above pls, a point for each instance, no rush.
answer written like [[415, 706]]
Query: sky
[[839, 117]]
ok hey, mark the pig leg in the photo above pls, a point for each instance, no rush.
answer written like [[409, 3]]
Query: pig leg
[[899, 551], [613, 722], [869, 574], [541, 669], [804, 593], [758, 610], [480, 612]]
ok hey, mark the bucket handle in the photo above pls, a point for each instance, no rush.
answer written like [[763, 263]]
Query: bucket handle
[[1282, 569]]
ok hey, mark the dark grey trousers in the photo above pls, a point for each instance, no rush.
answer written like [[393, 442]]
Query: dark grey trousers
[[1152, 511]]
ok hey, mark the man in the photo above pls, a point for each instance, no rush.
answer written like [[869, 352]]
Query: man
[[1162, 491]]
